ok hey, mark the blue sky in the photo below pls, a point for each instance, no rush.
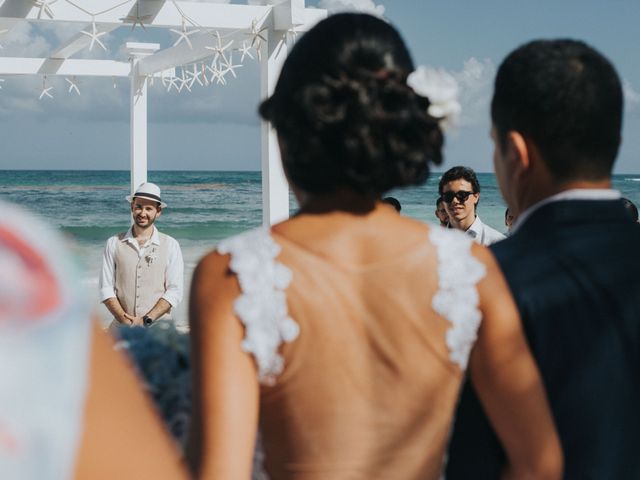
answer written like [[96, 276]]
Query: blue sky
[[216, 128]]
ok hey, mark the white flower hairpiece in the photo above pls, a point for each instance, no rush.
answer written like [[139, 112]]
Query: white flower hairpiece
[[441, 89]]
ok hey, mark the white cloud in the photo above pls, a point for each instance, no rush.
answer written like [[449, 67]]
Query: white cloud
[[364, 6], [631, 96], [476, 86]]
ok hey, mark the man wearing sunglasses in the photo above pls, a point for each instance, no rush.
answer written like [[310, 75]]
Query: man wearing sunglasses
[[460, 191], [571, 261]]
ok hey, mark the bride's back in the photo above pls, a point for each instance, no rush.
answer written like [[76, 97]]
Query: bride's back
[[369, 384]]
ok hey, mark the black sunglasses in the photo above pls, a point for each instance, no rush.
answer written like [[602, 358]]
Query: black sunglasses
[[461, 195]]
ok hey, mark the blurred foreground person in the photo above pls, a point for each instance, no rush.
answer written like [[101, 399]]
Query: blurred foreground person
[[343, 334], [70, 406], [572, 259]]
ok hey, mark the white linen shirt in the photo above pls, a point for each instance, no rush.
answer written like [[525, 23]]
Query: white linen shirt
[[484, 234], [174, 272]]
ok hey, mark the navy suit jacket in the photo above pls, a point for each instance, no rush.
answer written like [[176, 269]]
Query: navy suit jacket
[[574, 270]]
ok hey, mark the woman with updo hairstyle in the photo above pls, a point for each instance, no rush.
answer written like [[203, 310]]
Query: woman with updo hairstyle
[[338, 340]]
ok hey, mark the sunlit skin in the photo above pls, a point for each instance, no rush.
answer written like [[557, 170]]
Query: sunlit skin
[[461, 214]]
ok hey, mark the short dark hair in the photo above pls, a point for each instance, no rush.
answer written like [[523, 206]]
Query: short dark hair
[[457, 173], [393, 202], [567, 98], [631, 208], [345, 114]]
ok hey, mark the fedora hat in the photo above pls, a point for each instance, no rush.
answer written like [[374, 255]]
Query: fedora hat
[[148, 190]]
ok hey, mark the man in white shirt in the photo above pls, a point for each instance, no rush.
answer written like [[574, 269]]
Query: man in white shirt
[[142, 269], [460, 191]]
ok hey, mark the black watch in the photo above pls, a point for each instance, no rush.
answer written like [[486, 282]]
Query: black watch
[[147, 320]]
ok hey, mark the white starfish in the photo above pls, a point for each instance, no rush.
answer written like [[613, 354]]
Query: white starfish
[[2, 32], [183, 34], [136, 19], [229, 67], [44, 7], [184, 81], [216, 74], [219, 48], [173, 83], [256, 34], [245, 51], [1, 80], [203, 70], [194, 76], [73, 86], [94, 35], [45, 91]]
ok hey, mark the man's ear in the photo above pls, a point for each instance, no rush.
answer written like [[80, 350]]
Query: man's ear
[[518, 150]]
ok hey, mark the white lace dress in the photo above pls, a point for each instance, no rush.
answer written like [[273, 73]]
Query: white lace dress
[[262, 305]]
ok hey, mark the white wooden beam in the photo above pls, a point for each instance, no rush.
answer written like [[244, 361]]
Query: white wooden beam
[[275, 189], [77, 67], [138, 112], [162, 14]]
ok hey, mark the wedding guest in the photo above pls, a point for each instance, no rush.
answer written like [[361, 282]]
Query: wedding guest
[[631, 209], [344, 333], [572, 261], [460, 190], [70, 405], [509, 219], [393, 202], [441, 213], [142, 269]]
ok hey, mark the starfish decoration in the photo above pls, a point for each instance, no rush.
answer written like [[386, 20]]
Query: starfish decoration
[[2, 32], [245, 51], [229, 67], [44, 7], [219, 48], [256, 35], [94, 35], [115, 85], [216, 74], [203, 71], [184, 81], [73, 86], [45, 90], [183, 34], [194, 76], [1, 80], [136, 19], [173, 82]]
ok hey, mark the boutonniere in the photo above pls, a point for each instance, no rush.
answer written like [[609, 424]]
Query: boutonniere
[[151, 256]]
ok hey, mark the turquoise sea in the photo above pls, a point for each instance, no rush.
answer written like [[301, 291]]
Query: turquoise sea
[[204, 207]]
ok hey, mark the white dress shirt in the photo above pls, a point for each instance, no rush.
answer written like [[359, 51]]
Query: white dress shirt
[[483, 234], [174, 273], [573, 194]]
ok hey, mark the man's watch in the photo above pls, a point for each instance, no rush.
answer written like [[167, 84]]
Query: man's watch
[[147, 320]]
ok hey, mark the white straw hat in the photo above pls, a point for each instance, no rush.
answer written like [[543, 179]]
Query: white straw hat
[[149, 191]]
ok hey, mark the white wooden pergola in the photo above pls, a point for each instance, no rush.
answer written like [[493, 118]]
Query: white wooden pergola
[[266, 26]]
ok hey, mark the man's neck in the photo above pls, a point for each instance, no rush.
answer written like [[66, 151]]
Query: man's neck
[[534, 196], [140, 233], [465, 223]]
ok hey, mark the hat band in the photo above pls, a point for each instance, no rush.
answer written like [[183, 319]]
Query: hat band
[[148, 195]]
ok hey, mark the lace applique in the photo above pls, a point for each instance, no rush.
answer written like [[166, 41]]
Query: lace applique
[[457, 297], [262, 305]]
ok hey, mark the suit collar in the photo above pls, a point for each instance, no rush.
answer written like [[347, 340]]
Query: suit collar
[[564, 212]]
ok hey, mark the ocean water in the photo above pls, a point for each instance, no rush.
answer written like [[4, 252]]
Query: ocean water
[[89, 206]]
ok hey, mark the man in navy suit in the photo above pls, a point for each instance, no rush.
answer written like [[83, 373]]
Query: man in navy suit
[[572, 261]]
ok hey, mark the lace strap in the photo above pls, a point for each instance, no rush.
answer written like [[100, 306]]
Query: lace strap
[[262, 305], [457, 296]]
